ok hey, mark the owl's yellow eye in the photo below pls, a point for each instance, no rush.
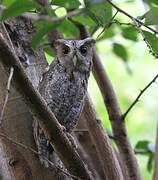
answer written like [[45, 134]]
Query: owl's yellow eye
[[66, 49], [83, 50]]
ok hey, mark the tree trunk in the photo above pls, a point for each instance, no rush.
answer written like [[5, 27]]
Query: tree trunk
[[17, 120]]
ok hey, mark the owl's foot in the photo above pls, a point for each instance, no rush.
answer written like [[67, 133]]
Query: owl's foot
[[72, 140]]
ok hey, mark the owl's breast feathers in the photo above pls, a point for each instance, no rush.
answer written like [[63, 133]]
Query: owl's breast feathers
[[64, 92]]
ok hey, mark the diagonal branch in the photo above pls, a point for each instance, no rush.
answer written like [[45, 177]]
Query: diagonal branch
[[103, 145], [115, 114], [36, 17], [115, 117], [107, 25], [36, 153], [49, 123], [131, 17], [7, 95], [138, 97], [42, 17]]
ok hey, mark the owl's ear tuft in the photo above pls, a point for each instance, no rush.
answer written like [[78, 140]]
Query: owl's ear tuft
[[89, 42], [59, 42]]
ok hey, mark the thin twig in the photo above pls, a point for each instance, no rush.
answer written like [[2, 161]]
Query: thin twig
[[138, 26], [36, 153], [107, 25], [123, 23], [37, 17], [139, 29], [131, 17], [6, 95], [138, 97]]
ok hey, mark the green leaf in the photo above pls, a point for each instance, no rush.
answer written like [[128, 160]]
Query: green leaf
[[145, 146], [108, 33], [130, 33], [42, 29], [101, 13], [84, 19], [120, 51], [152, 1], [49, 51], [142, 145], [68, 4], [152, 16], [68, 28], [150, 162], [93, 2], [17, 8], [7, 3], [96, 1], [152, 40]]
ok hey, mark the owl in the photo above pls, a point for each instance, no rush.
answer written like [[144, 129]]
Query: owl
[[64, 87]]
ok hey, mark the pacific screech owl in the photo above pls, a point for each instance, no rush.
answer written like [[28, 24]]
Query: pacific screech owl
[[64, 86]]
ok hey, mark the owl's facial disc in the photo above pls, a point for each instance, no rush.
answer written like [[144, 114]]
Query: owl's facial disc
[[74, 60], [83, 50], [66, 49]]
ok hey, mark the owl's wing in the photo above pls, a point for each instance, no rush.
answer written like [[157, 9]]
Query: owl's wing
[[42, 142]]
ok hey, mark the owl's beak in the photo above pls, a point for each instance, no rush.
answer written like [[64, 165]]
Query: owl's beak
[[74, 60]]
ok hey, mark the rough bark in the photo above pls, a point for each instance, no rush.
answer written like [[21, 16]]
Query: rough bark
[[115, 116], [13, 165], [87, 149], [114, 113], [17, 117], [103, 145]]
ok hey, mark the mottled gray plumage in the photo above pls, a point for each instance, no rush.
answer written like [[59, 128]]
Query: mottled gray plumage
[[64, 86]]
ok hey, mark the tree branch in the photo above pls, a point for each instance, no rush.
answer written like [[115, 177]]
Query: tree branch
[[115, 114], [36, 153], [36, 17], [46, 118], [107, 25], [131, 17], [138, 97], [104, 148], [7, 95], [13, 165]]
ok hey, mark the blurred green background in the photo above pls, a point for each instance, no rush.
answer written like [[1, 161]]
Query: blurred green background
[[142, 120]]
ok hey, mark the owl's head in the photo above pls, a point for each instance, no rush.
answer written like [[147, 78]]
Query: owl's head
[[75, 54]]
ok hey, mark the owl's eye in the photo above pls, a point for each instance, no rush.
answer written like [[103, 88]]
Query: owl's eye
[[83, 50], [66, 50]]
